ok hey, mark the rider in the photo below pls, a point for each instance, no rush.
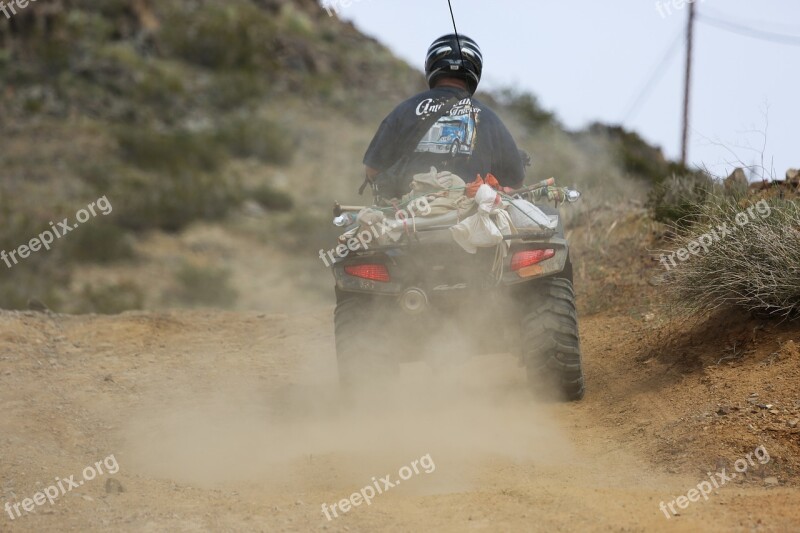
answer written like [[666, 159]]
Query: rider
[[467, 138]]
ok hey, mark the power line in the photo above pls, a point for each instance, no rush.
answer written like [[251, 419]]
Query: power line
[[754, 33], [779, 27], [655, 77]]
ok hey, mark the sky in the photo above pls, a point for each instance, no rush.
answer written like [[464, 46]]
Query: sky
[[589, 61]]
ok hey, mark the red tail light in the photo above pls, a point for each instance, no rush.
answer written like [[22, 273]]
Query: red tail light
[[527, 258], [372, 272]]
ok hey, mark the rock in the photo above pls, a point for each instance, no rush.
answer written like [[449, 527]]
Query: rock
[[737, 180], [789, 349], [113, 486], [771, 481], [722, 411], [793, 422]]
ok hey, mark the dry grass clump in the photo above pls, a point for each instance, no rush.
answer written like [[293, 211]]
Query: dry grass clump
[[755, 267]]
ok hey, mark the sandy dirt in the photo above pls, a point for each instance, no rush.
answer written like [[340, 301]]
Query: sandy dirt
[[233, 422]]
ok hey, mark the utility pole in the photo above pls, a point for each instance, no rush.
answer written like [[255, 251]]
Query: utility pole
[[688, 87]]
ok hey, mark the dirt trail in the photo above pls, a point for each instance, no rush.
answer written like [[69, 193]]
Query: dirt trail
[[232, 422]]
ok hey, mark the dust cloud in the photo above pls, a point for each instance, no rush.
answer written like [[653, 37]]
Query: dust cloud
[[464, 412]]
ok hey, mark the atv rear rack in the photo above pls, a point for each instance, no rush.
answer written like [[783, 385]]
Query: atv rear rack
[[411, 240]]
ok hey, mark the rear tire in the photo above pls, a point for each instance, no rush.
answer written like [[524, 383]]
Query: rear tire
[[550, 342], [363, 350]]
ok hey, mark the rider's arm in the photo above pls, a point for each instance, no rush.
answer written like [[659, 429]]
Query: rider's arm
[[506, 161], [382, 151]]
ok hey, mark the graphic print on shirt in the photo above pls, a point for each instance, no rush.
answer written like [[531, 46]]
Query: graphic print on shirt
[[452, 134]]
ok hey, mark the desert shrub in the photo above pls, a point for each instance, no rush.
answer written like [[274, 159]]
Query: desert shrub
[[233, 89], [262, 139], [295, 21], [99, 242], [677, 199], [177, 179], [41, 275], [38, 276], [159, 84], [755, 267], [109, 299], [108, 8], [170, 151], [42, 280], [172, 201], [271, 199], [199, 285], [89, 25], [219, 35]]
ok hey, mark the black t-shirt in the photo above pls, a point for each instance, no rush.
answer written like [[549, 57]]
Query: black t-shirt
[[469, 140]]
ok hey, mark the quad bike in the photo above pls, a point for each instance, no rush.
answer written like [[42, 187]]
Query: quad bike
[[391, 299]]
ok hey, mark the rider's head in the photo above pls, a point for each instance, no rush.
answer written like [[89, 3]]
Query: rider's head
[[447, 60]]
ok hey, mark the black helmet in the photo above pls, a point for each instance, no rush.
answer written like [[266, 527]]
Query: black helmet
[[445, 59]]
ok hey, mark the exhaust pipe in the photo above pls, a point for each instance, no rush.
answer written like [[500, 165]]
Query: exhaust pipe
[[414, 301]]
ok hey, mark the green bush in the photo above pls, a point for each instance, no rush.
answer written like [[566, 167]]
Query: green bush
[[204, 286], [219, 35], [99, 242], [173, 152], [262, 139], [109, 299], [271, 199], [107, 8], [177, 179], [678, 199], [296, 22], [172, 201], [43, 280], [234, 89], [89, 25]]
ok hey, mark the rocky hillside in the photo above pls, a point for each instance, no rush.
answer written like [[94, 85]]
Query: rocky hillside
[[240, 121]]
